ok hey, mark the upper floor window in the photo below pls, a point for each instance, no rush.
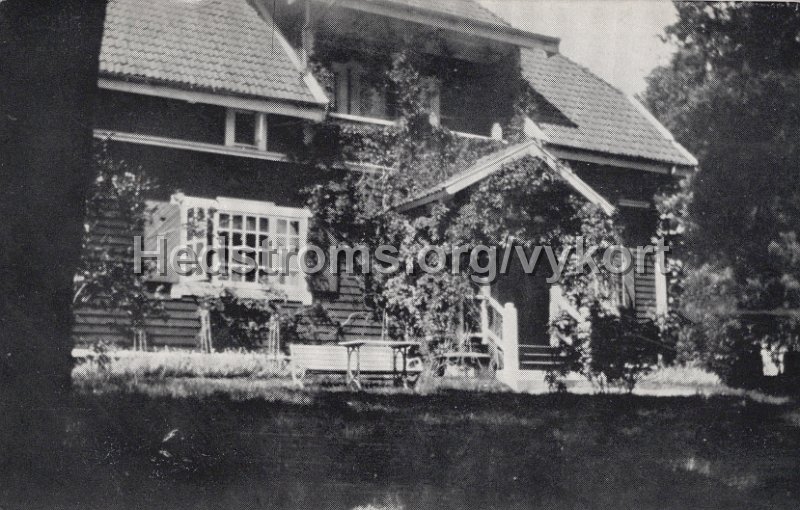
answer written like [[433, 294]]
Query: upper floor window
[[354, 95], [246, 129]]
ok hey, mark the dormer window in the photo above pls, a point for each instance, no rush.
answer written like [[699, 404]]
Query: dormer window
[[246, 129]]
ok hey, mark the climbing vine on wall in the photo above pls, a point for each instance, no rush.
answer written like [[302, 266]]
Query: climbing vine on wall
[[524, 201]]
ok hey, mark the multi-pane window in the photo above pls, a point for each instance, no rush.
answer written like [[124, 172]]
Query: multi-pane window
[[245, 243], [199, 236], [354, 94], [270, 242]]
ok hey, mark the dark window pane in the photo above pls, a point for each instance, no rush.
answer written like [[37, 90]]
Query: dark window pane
[[245, 128], [285, 133]]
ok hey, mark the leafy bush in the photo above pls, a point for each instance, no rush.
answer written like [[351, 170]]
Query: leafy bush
[[610, 348], [245, 323], [239, 323], [623, 348], [106, 277], [718, 332]]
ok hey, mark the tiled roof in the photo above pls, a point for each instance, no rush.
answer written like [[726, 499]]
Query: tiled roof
[[221, 46], [579, 110], [464, 9]]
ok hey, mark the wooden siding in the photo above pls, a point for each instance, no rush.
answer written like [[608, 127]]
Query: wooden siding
[[179, 327], [133, 113], [645, 288], [215, 175], [194, 122]]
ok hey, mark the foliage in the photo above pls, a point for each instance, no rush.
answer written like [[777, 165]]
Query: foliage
[[612, 348], [524, 201], [245, 323], [623, 348], [731, 95], [116, 208], [239, 323]]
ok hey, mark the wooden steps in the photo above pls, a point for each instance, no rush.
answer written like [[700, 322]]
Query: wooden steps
[[539, 357]]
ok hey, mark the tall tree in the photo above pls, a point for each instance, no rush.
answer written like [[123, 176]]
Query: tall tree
[[731, 94], [49, 52]]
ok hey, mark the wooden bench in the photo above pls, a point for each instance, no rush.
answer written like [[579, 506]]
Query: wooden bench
[[370, 360]]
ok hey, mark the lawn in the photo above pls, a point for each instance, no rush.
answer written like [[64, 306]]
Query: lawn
[[195, 443]]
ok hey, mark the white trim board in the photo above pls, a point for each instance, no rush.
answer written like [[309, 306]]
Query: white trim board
[[175, 143], [310, 112], [530, 148], [566, 153], [308, 78]]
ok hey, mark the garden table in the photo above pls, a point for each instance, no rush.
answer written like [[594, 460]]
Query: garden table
[[398, 347]]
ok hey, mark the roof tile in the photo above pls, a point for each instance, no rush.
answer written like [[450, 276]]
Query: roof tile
[[216, 45], [594, 115]]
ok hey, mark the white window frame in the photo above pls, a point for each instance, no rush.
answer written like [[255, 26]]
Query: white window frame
[[293, 288], [260, 135]]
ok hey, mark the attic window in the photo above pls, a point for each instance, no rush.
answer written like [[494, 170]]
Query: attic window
[[246, 129]]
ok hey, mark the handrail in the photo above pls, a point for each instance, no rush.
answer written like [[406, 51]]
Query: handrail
[[492, 302], [564, 304], [498, 330]]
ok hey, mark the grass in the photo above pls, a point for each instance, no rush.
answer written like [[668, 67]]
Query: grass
[[127, 364], [255, 443]]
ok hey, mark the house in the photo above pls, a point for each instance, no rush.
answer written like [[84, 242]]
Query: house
[[212, 97]]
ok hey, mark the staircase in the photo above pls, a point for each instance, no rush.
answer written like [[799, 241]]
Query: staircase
[[539, 357], [521, 366]]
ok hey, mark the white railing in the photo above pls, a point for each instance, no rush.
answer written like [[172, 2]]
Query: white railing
[[498, 330]]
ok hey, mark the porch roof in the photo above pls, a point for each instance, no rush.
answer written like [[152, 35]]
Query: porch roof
[[578, 110], [217, 46], [493, 163]]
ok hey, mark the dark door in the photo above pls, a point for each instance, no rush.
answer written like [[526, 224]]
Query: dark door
[[530, 293]]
